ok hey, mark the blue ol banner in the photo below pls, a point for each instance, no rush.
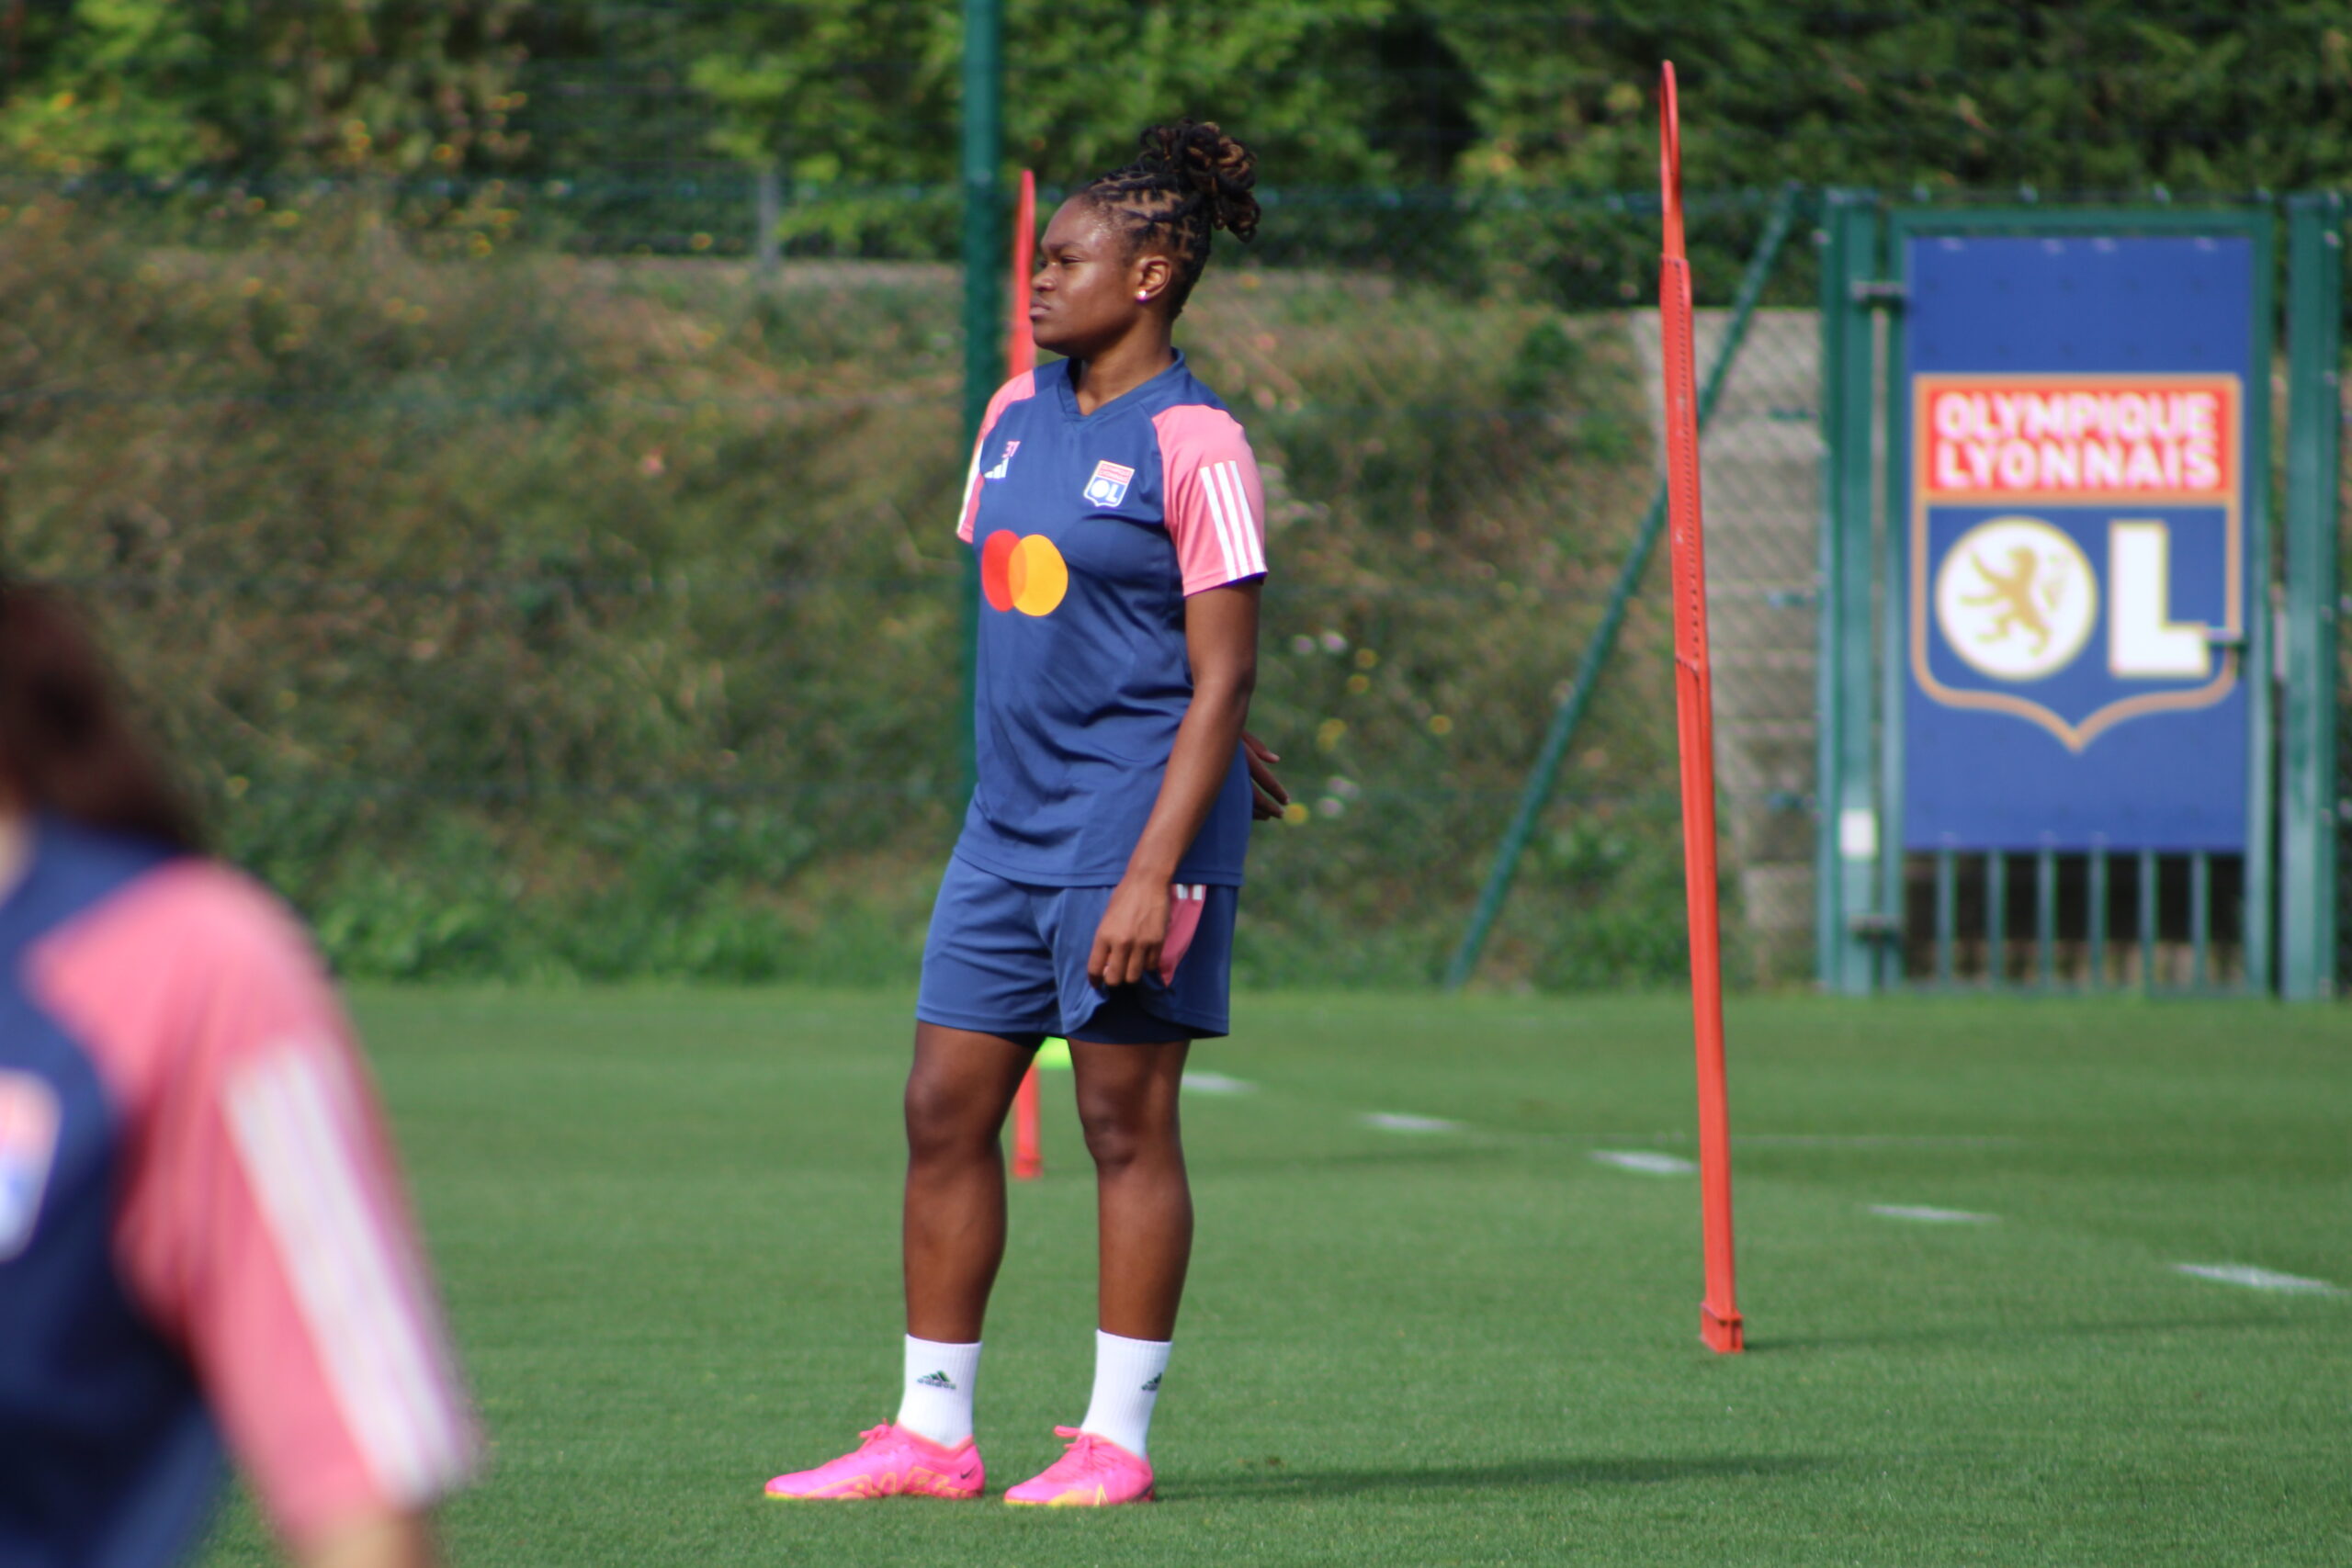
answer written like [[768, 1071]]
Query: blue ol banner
[[2077, 559]]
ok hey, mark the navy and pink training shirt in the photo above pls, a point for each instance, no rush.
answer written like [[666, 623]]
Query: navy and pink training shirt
[[1092, 531], [202, 1232]]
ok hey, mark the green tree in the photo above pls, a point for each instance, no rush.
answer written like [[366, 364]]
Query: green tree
[[162, 87], [841, 91], [2099, 95], [2110, 95]]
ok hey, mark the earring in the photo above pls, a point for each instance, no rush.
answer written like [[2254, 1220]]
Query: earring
[[1143, 296]]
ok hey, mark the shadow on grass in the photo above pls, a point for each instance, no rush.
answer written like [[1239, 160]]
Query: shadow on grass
[[1270, 1483]]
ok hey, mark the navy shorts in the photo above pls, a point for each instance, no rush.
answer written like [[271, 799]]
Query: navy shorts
[[1009, 959]]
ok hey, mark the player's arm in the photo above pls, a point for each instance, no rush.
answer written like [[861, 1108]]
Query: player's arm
[[377, 1538], [1221, 639]]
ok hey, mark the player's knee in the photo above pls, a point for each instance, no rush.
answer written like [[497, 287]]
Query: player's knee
[[1121, 1132], [942, 1124], [1112, 1143]]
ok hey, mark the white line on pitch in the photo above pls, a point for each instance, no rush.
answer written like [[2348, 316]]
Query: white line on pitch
[[1217, 1083], [1871, 1141], [2256, 1279], [1927, 1216], [1795, 1140], [1647, 1162], [1397, 1122]]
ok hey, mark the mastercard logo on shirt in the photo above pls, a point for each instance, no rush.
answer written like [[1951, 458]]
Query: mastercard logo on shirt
[[1024, 574]]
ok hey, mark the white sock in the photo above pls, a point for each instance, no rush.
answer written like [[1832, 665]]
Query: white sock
[[1127, 1386], [937, 1402]]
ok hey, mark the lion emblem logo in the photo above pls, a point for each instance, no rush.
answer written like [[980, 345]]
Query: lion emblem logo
[[2016, 599]]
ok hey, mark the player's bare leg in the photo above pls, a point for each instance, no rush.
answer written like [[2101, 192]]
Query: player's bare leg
[[1126, 1099], [958, 1091], [1126, 1102]]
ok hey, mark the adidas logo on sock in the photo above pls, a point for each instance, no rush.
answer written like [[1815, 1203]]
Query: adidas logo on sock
[[1153, 1386], [937, 1380]]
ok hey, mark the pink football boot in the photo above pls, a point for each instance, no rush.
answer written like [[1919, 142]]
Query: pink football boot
[[890, 1462], [1094, 1473]]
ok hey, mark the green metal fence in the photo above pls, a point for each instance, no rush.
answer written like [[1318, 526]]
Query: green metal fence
[[522, 607], [519, 608], [1543, 778], [2316, 798]]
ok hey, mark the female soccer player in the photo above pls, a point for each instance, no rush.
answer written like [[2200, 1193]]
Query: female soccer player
[[201, 1230], [1119, 519]]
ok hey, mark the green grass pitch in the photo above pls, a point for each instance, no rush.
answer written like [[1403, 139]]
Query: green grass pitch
[[667, 1225]]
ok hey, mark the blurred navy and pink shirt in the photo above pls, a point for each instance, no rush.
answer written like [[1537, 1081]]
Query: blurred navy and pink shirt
[[202, 1233]]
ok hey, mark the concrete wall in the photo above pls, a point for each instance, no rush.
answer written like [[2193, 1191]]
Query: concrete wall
[[1760, 478]]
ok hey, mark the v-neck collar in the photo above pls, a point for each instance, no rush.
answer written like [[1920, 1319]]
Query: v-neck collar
[[1066, 390]]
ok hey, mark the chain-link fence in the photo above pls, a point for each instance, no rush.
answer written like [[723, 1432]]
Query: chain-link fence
[[521, 607], [520, 610], [2344, 724]]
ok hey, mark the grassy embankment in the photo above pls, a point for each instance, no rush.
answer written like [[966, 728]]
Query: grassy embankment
[[530, 616]]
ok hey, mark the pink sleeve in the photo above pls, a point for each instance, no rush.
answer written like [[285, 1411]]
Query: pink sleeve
[[1018, 390], [261, 1223], [1215, 506]]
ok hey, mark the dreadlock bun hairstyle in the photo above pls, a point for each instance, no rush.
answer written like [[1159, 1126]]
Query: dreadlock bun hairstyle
[[68, 742], [1190, 180]]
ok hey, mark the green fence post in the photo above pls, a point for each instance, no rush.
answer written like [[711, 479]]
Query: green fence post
[[2100, 894], [1996, 919], [1603, 641], [1846, 845], [1947, 913], [985, 265], [2201, 919], [2308, 825], [1891, 668], [2045, 918], [2260, 655]]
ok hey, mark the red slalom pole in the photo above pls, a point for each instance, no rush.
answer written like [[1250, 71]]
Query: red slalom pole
[[1020, 347], [1019, 354], [1719, 1323]]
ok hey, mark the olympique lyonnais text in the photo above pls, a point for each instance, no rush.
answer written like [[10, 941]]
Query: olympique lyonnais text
[[2087, 438]]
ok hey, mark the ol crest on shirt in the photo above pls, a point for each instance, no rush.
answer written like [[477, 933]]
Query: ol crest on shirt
[[1004, 464], [1109, 485], [28, 1118]]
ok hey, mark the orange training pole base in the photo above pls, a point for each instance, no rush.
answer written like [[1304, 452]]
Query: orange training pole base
[[1719, 1323], [1019, 354], [1028, 1147]]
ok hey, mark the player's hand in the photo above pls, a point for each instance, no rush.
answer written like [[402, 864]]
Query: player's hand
[[1267, 796], [1133, 928]]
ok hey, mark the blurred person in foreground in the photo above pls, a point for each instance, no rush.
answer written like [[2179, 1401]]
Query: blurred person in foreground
[[203, 1240]]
